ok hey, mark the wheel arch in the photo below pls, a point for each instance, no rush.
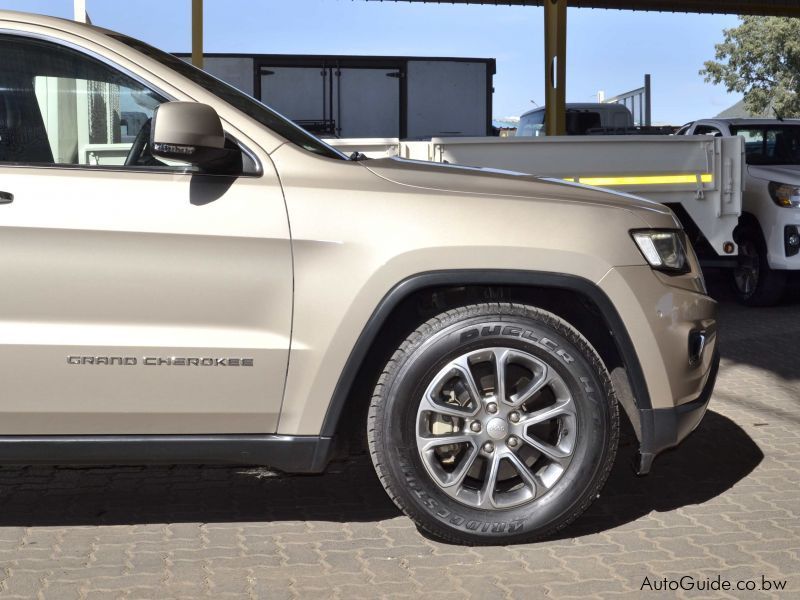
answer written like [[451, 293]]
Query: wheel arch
[[390, 322], [748, 222]]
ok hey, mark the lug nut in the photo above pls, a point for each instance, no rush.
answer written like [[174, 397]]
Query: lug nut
[[514, 417], [488, 447], [491, 407], [475, 426], [512, 442]]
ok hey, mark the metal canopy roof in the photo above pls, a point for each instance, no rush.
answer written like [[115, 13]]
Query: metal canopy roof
[[784, 8]]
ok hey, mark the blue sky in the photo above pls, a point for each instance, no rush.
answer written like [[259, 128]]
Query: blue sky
[[607, 50]]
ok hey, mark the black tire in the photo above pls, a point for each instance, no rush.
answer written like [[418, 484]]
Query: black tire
[[754, 282], [526, 331]]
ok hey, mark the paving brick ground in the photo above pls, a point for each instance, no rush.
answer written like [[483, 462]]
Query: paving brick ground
[[726, 504]]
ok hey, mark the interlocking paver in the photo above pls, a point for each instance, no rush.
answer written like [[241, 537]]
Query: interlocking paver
[[726, 503]]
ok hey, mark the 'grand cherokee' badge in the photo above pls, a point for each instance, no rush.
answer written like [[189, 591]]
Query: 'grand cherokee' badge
[[160, 361]]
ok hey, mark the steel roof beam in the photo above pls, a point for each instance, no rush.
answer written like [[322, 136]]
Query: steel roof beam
[[778, 8]]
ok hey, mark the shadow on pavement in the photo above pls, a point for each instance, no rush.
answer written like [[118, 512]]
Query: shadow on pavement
[[712, 460], [61, 496]]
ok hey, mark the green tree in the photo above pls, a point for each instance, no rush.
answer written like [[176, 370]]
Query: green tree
[[761, 59]]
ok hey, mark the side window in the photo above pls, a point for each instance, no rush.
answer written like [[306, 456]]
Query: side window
[[707, 130], [61, 107]]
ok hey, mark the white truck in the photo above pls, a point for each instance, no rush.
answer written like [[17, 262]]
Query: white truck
[[768, 231], [700, 178]]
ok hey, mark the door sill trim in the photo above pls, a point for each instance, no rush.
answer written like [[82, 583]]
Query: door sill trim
[[292, 454]]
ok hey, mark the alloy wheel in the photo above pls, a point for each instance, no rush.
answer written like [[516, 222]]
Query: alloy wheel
[[496, 428]]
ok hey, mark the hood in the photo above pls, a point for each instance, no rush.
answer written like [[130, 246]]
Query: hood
[[493, 182], [780, 173]]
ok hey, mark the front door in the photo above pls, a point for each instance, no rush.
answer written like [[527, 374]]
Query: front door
[[134, 299]]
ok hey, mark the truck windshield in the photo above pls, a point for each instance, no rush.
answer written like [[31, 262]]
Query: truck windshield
[[239, 100], [531, 124], [579, 122], [770, 144]]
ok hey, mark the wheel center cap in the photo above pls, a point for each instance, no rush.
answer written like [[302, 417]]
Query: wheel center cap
[[497, 428]]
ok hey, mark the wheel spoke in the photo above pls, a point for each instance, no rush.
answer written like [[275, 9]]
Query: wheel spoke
[[533, 388], [553, 453], [444, 478], [430, 442], [500, 357], [463, 367], [457, 476], [564, 407], [452, 410], [528, 478], [486, 494]]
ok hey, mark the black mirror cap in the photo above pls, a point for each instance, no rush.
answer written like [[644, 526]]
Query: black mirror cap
[[189, 132]]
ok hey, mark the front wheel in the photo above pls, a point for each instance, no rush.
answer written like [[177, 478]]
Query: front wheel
[[492, 424], [754, 282]]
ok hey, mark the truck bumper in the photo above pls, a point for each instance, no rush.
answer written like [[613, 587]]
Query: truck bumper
[[664, 428]]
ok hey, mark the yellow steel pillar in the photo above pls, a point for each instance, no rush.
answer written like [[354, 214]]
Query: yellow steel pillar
[[197, 33], [555, 56]]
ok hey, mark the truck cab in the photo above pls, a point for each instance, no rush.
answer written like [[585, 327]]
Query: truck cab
[[768, 233], [582, 118]]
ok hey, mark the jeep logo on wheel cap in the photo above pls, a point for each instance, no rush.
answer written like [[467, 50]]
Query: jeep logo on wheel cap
[[497, 428]]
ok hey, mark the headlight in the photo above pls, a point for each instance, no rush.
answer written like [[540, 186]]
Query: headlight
[[784, 194], [663, 249]]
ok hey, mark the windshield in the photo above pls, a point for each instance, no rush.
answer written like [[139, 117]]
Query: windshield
[[770, 144], [239, 100], [531, 124], [579, 122]]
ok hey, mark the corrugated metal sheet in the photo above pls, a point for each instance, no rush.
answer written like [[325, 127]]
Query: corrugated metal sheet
[[786, 8]]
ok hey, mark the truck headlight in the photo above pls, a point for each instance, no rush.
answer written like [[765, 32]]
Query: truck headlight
[[663, 249], [784, 194]]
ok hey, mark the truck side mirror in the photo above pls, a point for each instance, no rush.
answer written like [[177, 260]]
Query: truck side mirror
[[188, 132]]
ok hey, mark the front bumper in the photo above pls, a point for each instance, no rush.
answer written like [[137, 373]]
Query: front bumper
[[777, 255], [672, 326], [664, 428]]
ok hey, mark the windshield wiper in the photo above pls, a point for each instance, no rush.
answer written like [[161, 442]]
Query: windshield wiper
[[358, 156]]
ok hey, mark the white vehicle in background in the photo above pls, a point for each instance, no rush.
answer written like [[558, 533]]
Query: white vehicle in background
[[591, 118], [581, 117], [768, 233]]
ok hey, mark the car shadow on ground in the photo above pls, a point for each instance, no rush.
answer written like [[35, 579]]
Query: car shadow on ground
[[712, 460]]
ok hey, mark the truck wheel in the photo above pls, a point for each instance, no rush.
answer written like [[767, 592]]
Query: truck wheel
[[493, 424], [754, 282]]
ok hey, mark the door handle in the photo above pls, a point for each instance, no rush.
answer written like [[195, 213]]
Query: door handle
[[6, 198]]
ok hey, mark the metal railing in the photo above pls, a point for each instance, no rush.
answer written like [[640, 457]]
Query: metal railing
[[637, 101]]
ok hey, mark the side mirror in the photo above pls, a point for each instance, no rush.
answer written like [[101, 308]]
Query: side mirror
[[188, 132]]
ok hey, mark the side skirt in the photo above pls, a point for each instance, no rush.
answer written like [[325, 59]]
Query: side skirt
[[293, 454]]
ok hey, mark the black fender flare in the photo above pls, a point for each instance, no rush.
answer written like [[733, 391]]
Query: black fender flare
[[500, 277], [749, 222]]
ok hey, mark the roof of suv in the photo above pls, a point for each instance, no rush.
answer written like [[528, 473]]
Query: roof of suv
[[58, 23], [749, 121]]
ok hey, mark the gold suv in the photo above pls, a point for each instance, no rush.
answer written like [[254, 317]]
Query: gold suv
[[187, 276]]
